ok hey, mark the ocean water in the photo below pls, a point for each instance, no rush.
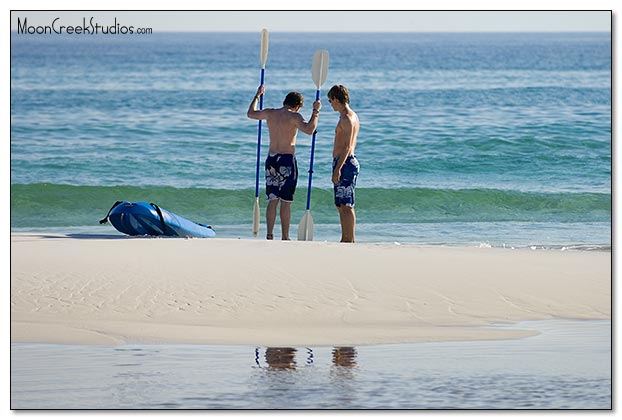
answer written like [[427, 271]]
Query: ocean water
[[501, 139], [567, 366]]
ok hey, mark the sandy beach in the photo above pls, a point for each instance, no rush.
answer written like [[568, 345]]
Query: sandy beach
[[107, 290]]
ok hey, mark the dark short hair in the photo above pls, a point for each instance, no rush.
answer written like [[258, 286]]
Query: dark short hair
[[293, 99], [340, 93]]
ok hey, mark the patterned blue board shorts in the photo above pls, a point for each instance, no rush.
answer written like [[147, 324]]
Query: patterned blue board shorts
[[344, 189], [281, 176]]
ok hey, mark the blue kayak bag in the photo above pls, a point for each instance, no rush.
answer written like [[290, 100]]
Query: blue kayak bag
[[142, 218]]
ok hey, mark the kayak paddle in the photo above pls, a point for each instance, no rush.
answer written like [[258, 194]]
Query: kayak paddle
[[319, 71], [264, 58]]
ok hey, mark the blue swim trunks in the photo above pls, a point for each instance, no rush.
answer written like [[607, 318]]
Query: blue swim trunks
[[344, 189], [281, 176]]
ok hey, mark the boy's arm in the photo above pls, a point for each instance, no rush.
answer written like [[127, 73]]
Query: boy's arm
[[343, 145], [309, 127], [253, 113]]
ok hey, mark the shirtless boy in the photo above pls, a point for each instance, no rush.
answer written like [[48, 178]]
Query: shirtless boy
[[345, 165], [281, 166]]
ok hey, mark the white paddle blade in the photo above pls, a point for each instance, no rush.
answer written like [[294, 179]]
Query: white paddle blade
[[305, 228], [264, 47], [256, 218], [319, 68]]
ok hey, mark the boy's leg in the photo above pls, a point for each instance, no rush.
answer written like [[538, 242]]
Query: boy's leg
[[347, 217], [286, 215], [271, 217]]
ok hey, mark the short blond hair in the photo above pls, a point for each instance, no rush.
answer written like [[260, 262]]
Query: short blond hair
[[340, 93]]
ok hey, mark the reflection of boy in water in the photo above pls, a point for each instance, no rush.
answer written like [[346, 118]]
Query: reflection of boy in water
[[344, 356], [281, 358]]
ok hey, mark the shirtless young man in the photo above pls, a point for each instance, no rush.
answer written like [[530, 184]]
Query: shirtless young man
[[281, 166], [345, 165]]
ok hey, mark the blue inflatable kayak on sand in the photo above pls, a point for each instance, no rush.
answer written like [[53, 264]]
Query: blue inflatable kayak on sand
[[148, 219]]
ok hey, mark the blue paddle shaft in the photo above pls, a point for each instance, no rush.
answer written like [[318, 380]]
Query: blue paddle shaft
[[317, 98], [259, 141]]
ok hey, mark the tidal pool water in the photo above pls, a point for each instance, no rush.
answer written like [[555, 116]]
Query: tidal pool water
[[567, 366]]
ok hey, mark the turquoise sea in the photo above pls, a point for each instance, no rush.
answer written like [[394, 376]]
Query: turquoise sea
[[500, 139]]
